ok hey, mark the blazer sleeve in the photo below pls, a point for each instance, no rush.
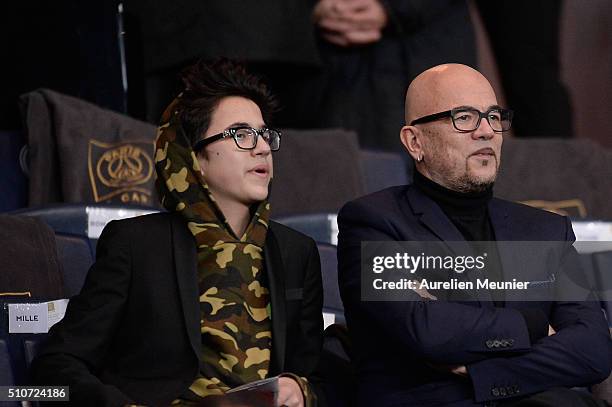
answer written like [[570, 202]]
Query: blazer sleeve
[[579, 354], [436, 331], [78, 344]]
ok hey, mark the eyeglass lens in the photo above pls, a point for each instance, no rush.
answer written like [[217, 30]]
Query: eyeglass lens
[[469, 119], [247, 138]]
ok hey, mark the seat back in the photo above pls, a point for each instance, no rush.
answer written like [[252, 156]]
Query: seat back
[[552, 181], [602, 262], [30, 266], [332, 303], [83, 219], [315, 171], [76, 256], [382, 169], [322, 227], [13, 183], [6, 370], [17, 350]]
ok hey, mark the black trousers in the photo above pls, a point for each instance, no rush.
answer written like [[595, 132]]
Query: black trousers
[[524, 36]]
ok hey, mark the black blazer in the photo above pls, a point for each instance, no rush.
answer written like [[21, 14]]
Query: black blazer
[[410, 336], [133, 333]]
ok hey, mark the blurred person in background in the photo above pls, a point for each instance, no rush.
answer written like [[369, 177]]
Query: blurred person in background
[[524, 36], [372, 49]]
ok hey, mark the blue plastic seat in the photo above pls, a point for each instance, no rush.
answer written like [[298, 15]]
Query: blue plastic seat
[[382, 169], [322, 227], [6, 370], [332, 303], [603, 265], [75, 255], [83, 219]]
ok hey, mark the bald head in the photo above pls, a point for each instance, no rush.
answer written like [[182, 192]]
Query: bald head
[[444, 87], [457, 159]]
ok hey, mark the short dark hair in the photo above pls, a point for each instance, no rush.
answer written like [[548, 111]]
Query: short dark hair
[[206, 83]]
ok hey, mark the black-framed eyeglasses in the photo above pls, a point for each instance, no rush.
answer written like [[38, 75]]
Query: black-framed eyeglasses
[[244, 137], [466, 119]]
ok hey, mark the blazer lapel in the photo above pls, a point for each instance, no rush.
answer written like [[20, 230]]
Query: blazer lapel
[[434, 219], [185, 266], [274, 269], [520, 260], [499, 220]]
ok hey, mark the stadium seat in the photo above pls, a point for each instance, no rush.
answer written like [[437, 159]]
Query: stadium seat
[[332, 303], [31, 347], [322, 227], [16, 349], [76, 256], [6, 373], [603, 267], [83, 219], [13, 183], [382, 169], [6, 370], [572, 177], [30, 265], [315, 171]]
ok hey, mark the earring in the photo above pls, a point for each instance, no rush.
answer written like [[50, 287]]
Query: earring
[[419, 158]]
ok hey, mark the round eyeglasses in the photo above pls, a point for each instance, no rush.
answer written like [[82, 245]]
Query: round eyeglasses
[[244, 137], [466, 119]]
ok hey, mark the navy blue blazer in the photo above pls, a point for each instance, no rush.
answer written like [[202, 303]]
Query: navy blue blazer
[[397, 344]]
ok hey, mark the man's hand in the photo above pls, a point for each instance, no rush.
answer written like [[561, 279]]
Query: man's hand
[[289, 393], [459, 370], [423, 292], [350, 22]]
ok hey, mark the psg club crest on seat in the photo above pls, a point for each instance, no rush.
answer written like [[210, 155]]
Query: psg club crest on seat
[[121, 172]]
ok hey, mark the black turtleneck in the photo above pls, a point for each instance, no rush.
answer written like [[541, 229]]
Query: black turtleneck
[[469, 212]]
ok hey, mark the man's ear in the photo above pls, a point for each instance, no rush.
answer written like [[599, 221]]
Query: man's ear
[[410, 137], [201, 156]]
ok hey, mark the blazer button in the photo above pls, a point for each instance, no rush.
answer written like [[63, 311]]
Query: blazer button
[[495, 391], [489, 344]]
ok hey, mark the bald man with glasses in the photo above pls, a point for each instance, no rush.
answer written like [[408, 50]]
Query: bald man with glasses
[[429, 351]]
